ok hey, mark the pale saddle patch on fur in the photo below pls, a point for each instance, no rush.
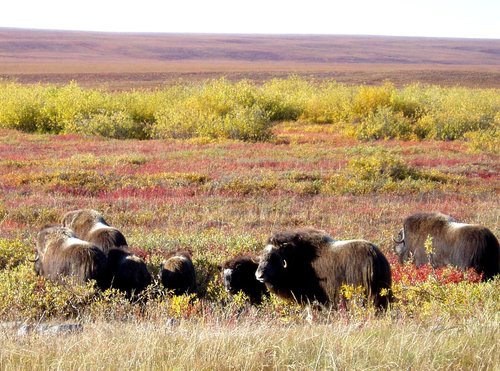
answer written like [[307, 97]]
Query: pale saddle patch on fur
[[179, 257], [72, 241], [98, 226], [340, 243], [457, 225], [134, 258], [269, 248]]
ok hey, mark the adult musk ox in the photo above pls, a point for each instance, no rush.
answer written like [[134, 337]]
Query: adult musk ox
[[60, 254], [239, 275], [126, 272], [307, 264], [89, 225], [462, 245], [177, 273]]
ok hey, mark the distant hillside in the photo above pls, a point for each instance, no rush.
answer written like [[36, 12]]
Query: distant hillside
[[56, 56]]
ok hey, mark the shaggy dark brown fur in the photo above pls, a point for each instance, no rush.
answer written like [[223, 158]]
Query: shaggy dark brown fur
[[461, 245], [177, 273], [59, 253], [126, 272], [89, 225], [239, 275], [307, 265]]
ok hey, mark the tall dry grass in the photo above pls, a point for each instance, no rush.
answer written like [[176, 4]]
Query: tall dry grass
[[376, 343]]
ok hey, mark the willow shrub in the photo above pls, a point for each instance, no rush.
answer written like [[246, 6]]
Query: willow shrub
[[14, 252], [246, 111], [218, 109], [378, 170], [118, 125]]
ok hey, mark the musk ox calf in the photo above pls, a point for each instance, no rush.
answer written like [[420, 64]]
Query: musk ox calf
[[126, 272], [308, 265], [89, 225], [59, 253], [239, 275], [462, 245], [177, 273]]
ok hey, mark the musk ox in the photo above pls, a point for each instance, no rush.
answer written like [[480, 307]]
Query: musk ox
[[462, 245], [126, 272], [59, 253], [308, 265], [239, 275], [89, 225], [177, 273]]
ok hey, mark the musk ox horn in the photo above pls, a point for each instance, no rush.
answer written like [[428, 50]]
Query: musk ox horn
[[37, 257], [402, 233], [284, 263]]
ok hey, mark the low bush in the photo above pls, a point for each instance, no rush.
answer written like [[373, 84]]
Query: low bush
[[13, 252], [382, 124], [246, 111], [379, 170], [118, 125], [485, 141]]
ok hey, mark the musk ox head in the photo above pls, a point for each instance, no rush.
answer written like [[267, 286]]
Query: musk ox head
[[400, 247], [239, 275], [272, 266], [37, 264], [48, 234], [285, 251]]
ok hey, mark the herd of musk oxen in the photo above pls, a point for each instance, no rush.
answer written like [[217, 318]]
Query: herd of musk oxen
[[304, 265]]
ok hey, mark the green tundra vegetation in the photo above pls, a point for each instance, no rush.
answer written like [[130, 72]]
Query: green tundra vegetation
[[225, 165]]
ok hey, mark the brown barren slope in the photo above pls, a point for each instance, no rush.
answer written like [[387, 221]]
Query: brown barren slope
[[148, 60]]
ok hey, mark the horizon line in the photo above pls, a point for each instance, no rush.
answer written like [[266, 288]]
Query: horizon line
[[35, 29]]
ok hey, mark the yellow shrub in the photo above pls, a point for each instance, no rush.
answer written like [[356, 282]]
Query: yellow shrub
[[370, 98]]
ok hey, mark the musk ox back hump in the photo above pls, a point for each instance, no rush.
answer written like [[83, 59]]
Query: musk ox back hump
[[81, 221], [90, 225], [177, 273], [107, 238]]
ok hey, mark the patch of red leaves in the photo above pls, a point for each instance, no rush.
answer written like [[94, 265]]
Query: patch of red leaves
[[409, 273], [148, 193]]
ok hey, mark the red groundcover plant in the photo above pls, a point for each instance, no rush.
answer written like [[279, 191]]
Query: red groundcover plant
[[410, 274]]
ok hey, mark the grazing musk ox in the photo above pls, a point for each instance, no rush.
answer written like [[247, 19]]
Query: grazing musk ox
[[59, 253], [177, 273], [89, 225], [462, 245], [126, 272], [307, 264], [239, 275]]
